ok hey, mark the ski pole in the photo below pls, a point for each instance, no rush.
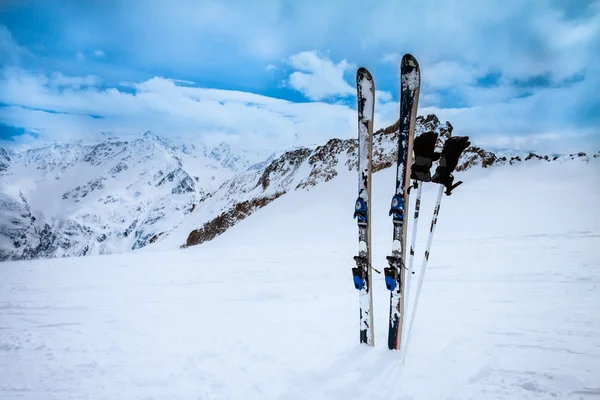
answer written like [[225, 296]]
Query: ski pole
[[436, 212], [413, 240]]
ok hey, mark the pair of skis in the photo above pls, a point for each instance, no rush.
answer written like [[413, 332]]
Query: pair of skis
[[396, 277]]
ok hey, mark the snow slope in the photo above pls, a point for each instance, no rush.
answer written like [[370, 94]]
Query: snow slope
[[267, 310]]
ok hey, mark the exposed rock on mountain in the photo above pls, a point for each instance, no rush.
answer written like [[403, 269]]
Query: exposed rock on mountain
[[4, 160], [227, 219]]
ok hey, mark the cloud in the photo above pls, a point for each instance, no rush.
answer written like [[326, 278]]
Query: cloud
[[64, 108], [393, 58], [383, 96], [447, 74], [61, 108], [544, 37], [59, 80], [10, 52], [494, 68], [99, 54], [560, 119], [318, 77]]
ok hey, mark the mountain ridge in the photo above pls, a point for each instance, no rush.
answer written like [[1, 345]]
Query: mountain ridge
[[323, 163], [117, 195]]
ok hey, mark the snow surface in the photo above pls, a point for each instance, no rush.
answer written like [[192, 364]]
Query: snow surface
[[510, 308]]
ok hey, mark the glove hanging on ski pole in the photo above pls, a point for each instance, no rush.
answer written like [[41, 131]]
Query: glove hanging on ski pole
[[453, 148], [425, 154]]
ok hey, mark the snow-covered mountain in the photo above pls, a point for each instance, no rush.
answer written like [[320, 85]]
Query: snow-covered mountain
[[121, 195], [98, 198]]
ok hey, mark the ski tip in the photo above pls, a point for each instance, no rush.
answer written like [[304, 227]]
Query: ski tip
[[363, 73], [409, 60], [410, 73]]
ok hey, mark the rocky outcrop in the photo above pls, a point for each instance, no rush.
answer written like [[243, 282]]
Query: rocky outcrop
[[4, 160], [29, 236], [227, 219], [81, 191], [279, 171], [324, 160]]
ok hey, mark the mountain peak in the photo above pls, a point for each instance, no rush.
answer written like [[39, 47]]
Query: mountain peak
[[150, 136]]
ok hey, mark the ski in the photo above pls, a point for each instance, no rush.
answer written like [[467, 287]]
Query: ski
[[395, 273], [361, 273]]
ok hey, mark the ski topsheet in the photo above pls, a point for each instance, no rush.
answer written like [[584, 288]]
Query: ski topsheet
[[362, 211], [395, 273]]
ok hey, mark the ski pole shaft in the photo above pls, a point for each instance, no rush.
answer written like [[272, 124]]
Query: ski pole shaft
[[413, 240], [413, 312]]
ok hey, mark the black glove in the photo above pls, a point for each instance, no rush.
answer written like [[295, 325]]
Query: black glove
[[424, 150], [451, 152]]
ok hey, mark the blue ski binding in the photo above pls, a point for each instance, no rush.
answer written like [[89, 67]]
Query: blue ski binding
[[397, 208], [360, 210], [359, 273], [391, 273]]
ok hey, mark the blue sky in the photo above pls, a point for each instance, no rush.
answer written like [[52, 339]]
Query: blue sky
[[508, 73]]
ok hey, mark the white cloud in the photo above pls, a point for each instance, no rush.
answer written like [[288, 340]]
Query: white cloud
[[182, 81], [99, 54], [163, 106], [271, 67], [393, 58], [383, 96], [59, 80], [318, 77], [10, 51], [512, 37], [530, 122], [194, 113], [447, 74]]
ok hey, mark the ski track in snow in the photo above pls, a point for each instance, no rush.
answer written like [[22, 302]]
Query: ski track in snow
[[509, 307]]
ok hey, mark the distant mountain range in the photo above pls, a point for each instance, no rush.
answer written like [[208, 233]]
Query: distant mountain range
[[120, 195]]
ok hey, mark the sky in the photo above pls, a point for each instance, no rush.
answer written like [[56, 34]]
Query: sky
[[281, 73]]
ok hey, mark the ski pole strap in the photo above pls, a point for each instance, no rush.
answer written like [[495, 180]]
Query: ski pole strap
[[420, 169], [423, 161]]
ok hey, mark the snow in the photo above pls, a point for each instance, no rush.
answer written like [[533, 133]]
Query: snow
[[509, 307], [411, 80]]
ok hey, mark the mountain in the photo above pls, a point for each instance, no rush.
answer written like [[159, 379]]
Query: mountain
[[99, 198], [120, 195]]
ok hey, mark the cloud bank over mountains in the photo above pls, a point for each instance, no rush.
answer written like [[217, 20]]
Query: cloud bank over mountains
[[281, 74]]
